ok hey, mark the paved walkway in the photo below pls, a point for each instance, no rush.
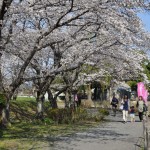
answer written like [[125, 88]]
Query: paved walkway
[[111, 135]]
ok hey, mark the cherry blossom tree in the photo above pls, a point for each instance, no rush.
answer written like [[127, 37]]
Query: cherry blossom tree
[[107, 34]]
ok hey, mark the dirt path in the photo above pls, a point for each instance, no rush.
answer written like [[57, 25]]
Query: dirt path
[[111, 135]]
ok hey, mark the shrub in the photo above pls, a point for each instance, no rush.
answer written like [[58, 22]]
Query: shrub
[[66, 115], [63, 115], [104, 104], [103, 111], [87, 103], [95, 115], [48, 121], [2, 100], [98, 118], [80, 114]]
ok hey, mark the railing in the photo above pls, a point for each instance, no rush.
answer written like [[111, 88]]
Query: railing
[[146, 132]]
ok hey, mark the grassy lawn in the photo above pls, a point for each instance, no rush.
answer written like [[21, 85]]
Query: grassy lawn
[[26, 133]]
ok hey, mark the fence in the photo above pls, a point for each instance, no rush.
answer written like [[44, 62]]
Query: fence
[[146, 132]]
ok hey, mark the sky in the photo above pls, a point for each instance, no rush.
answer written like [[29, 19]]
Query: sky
[[145, 17]]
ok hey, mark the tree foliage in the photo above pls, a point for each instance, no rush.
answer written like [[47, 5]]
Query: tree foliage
[[43, 40]]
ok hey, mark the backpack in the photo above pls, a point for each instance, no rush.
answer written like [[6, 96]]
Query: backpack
[[140, 106]]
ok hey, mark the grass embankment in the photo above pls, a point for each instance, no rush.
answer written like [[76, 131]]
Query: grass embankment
[[27, 133]]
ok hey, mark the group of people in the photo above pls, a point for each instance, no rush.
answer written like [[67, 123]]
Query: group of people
[[126, 108]]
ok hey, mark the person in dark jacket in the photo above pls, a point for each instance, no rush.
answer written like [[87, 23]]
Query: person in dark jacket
[[114, 104], [126, 107]]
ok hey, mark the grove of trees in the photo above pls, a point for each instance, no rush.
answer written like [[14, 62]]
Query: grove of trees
[[42, 41]]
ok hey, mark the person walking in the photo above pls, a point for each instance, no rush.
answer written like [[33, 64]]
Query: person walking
[[132, 114], [114, 104], [125, 104], [140, 106]]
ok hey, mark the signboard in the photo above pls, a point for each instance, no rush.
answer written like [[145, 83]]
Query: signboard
[[141, 91]]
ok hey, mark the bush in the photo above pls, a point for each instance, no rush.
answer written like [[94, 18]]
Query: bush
[[87, 103], [103, 111], [2, 100], [66, 115], [80, 114], [105, 104], [98, 118], [63, 115], [48, 121]]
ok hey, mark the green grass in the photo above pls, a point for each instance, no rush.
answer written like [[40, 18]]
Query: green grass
[[25, 98], [22, 109], [27, 133], [23, 135]]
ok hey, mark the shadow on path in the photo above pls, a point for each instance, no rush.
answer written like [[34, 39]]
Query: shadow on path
[[112, 134]]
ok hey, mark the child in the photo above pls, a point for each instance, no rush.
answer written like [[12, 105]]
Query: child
[[132, 114]]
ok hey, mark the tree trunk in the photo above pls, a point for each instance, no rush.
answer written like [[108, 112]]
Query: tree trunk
[[108, 94], [52, 99], [1, 77], [68, 100], [14, 97], [5, 115], [111, 94], [4, 4], [1, 87], [40, 102], [89, 92], [39, 110]]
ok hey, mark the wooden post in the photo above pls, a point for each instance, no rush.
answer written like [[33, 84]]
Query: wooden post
[[144, 135], [148, 140]]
